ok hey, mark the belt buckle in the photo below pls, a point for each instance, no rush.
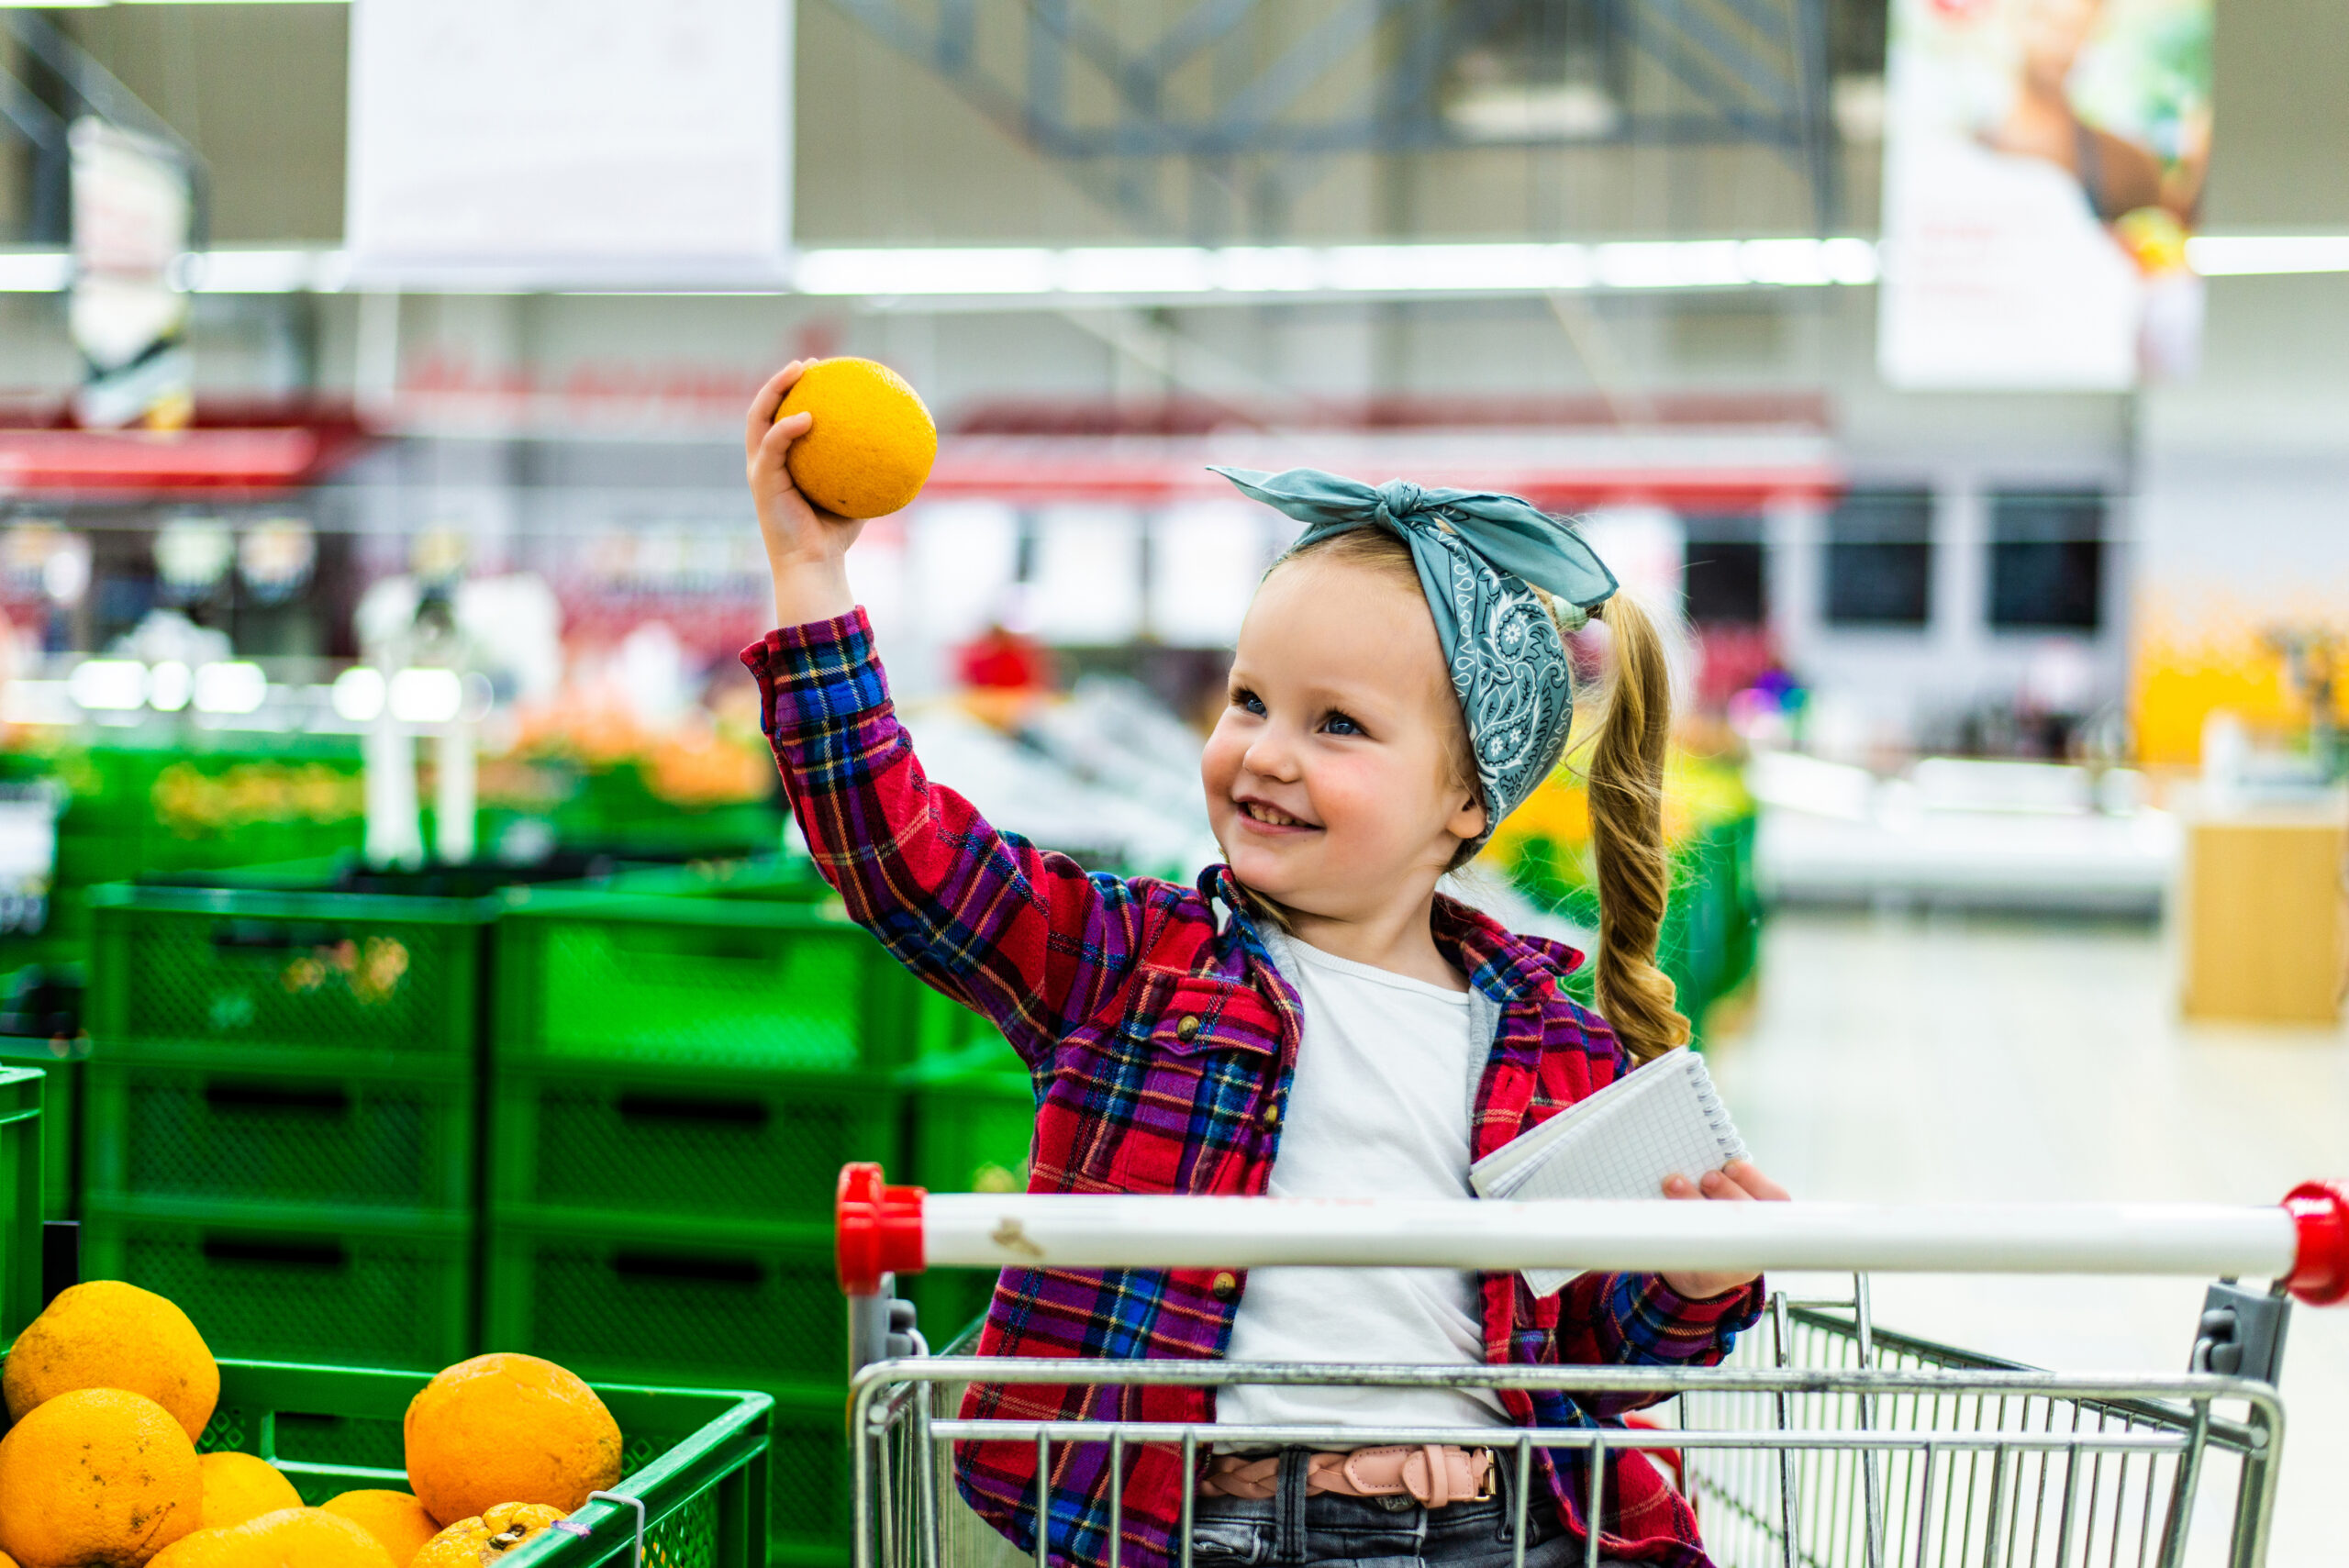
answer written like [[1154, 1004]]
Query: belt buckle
[[1489, 1489]]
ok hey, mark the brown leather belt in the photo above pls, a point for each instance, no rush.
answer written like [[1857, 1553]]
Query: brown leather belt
[[1432, 1474]]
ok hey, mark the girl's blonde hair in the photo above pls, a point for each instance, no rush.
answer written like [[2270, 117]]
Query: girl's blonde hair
[[1626, 792]]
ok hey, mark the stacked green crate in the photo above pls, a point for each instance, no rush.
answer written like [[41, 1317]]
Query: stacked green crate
[[281, 1116], [60, 1063], [22, 1131], [133, 810], [679, 1072], [972, 1120]]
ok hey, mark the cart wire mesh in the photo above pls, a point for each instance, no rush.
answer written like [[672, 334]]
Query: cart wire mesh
[[1822, 1441]]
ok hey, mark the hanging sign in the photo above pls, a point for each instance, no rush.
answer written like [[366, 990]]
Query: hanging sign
[[2044, 166]]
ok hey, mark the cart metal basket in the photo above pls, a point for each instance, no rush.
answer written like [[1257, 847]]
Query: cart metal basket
[[1820, 1442], [1823, 1441]]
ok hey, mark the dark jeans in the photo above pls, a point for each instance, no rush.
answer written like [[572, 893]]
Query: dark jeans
[[1341, 1532]]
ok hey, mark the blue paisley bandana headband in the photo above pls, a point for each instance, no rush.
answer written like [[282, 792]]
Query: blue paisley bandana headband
[[1475, 552]]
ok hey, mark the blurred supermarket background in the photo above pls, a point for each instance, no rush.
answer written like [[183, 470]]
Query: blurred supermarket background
[[372, 379]]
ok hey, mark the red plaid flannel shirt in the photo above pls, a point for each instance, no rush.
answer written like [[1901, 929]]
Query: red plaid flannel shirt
[[1162, 1041]]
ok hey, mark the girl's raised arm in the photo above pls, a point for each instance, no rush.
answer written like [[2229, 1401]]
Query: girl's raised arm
[[1025, 937]]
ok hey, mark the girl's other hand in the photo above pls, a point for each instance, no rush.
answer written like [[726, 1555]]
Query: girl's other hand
[[806, 547], [1741, 1181]]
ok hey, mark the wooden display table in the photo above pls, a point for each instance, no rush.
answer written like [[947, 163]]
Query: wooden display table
[[2263, 917]]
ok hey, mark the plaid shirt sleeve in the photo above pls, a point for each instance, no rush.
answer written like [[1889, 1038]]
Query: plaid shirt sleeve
[[1636, 1319], [1025, 937]]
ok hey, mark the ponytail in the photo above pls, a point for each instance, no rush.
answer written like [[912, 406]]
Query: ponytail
[[1626, 838]]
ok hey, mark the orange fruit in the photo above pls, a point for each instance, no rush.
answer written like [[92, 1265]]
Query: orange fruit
[[237, 1487], [869, 451], [287, 1538], [222, 1546], [107, 1334], [96, 1478], [471, 1543], [395, 1519], [508, 1428]]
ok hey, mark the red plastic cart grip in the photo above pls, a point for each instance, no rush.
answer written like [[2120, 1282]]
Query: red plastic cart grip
[[879, 1229], [2320, 1274]]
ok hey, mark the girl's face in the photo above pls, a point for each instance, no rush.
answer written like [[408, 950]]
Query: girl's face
[[1331, 779]]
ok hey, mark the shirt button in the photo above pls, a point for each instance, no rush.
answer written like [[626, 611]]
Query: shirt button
[[1271, 1119], [1225, 1286], [1188, 1029]]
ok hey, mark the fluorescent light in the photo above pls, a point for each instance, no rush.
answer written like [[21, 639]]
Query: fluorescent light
[[1269, 269], [169, 686], [1243, 272], [2251, 255], [33, 271], [109, 684], [1850, 261], [1136, 269], [1671, 264], [230, 687], [258, 271], [924, 271], [1458, 269], [426, 697], [357, 695]]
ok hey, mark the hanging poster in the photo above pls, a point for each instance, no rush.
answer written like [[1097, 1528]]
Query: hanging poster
[[2044, 166], [132, 209], [554, 143]]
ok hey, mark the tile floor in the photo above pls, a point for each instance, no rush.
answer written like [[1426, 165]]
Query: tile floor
[[1898, 1057]]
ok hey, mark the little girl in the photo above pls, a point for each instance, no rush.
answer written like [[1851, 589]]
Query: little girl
[[1312, 1019]]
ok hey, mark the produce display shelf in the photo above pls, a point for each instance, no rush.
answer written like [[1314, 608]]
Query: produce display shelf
[[698, 1459]]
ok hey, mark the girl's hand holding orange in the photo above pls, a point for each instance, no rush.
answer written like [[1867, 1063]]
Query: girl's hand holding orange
[[806, 546], [1741, 1181]]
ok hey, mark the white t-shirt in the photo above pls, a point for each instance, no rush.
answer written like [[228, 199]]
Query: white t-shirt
[[1385, 1089]]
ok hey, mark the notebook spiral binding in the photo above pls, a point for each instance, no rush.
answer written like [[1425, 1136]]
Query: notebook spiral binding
[[1717, 1116]]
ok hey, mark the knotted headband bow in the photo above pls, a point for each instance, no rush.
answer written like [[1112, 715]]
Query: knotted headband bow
[[1475, 552]]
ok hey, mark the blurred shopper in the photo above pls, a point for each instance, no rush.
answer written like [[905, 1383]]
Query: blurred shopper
[[1335, 1028]]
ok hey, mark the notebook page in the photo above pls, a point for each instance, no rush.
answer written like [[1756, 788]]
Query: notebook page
[[1498, 1174], [1625, 1147]]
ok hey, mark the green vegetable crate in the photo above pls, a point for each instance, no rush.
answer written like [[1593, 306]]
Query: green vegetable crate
[[20, 1196], [343, 1286], [754, 975], [639, 1142], [291, 971], [698, 1460]]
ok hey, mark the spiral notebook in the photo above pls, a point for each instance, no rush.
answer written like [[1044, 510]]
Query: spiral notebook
[[1621, 1143]]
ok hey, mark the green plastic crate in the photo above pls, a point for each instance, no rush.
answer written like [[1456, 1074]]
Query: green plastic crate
[[778, 983], [253, 968], [669, 1303], [649, 1143], [240, 1128], [972, 1119], [20, 1196], [698, 1459], [342, 1286], [61, 1092]]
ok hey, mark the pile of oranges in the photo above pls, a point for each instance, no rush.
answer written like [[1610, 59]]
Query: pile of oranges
[[111, 1387]]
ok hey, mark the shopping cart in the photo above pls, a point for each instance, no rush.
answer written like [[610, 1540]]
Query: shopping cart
[[1822, 1441]]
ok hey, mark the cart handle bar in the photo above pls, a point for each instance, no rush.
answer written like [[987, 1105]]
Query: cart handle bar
[[2304, 1242]]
